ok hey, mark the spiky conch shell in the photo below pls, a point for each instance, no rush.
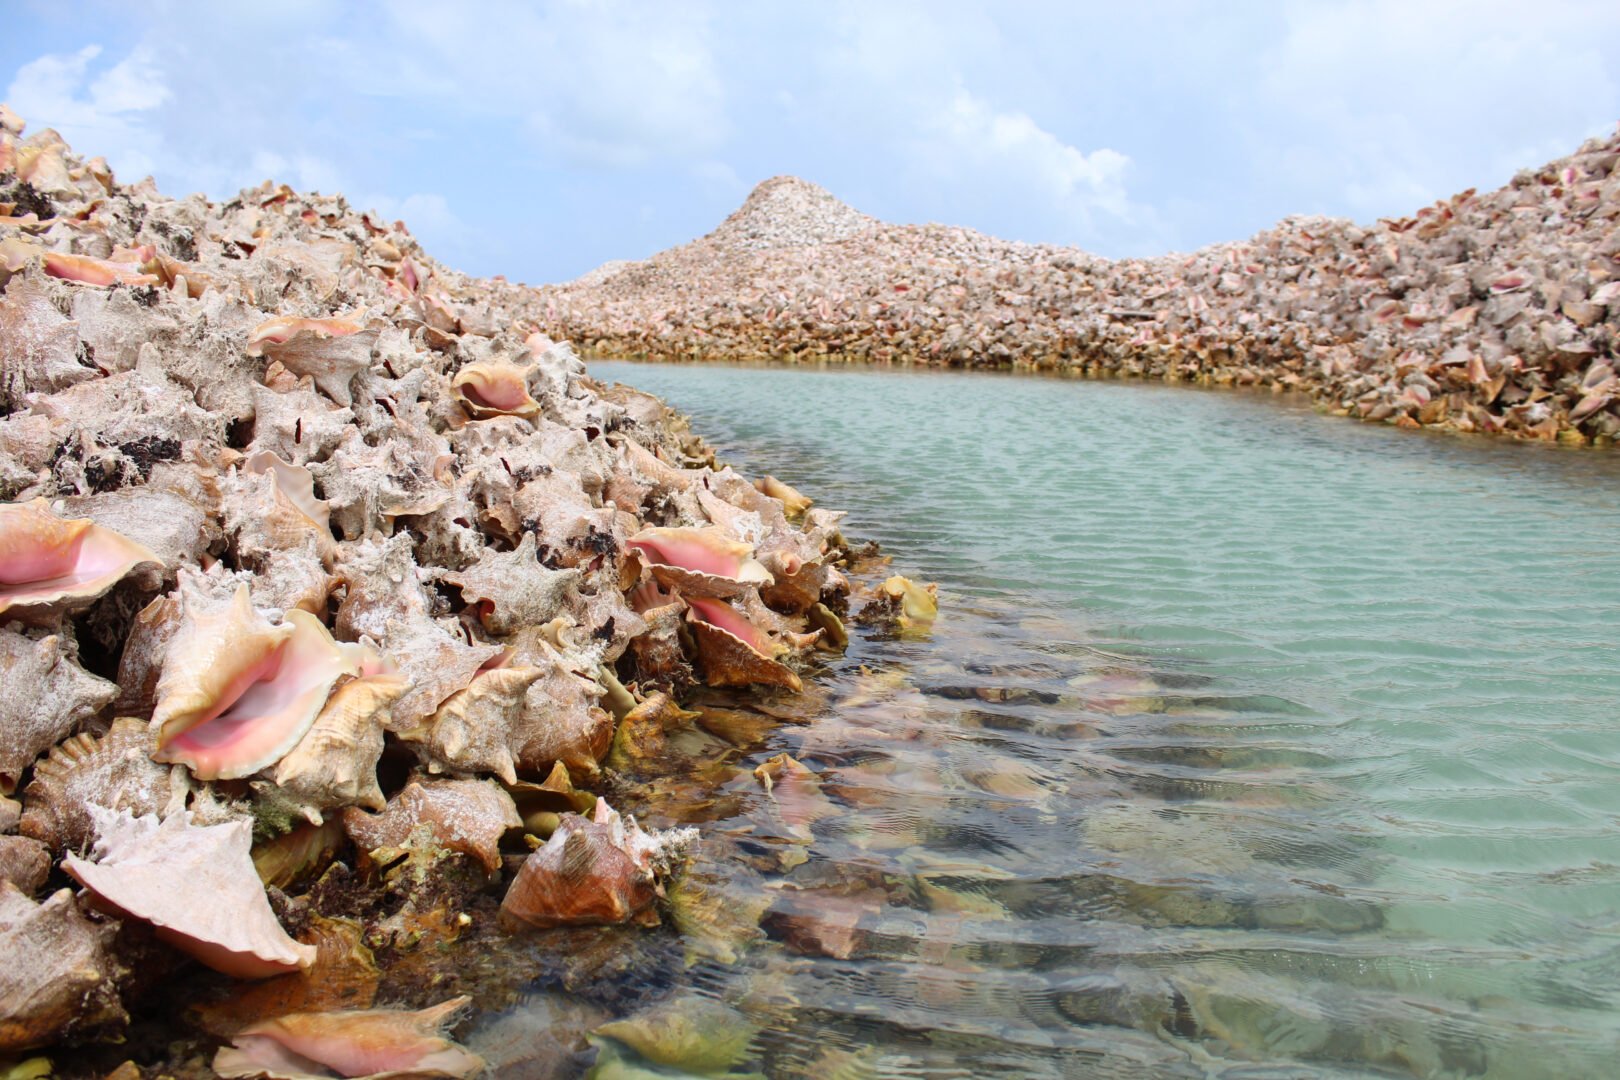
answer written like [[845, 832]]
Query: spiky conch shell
[[700, 562], [469, 816], [114, 771], [488, 390], [57, 970], [221, 660], [372, 1044], [579, 878], [46, 695], [51, 566], [728, 658], [478, 728], [600, 870], [335, 764], [195, 885]]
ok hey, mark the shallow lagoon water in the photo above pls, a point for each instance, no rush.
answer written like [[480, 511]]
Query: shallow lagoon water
[[1249, 742]]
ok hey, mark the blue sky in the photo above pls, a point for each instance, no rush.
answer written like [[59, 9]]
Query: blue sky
[[540, 140]]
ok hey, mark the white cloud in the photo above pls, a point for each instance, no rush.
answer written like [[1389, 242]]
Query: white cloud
[[971, 135], [1394, 103], [108, 114], [610, 84]]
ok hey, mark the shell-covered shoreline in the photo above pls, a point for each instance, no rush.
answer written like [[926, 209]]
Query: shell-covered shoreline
[[1495, 312], [331, 590]]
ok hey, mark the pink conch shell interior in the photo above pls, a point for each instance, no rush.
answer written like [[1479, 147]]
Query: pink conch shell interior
[[495, 390], [45, 559], [262, 708], [285, 327], [706, 551], [728, 619], [295, 482]]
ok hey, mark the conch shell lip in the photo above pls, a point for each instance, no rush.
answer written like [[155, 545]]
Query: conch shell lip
[[50, 564], [734, 651], [230, 723], [700, 562], [283, 328], [487, 390]]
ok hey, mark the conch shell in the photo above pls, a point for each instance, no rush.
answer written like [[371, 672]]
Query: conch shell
[[237, 693], [331, 351], [369, 1043], [469, 816], [45, 697], [733, 650], [51, 565], [478, 728], [335, 763], [793, 503], [115, 772], [58, 970], [700, 562], [195, 885], [512, 589], [491, 389], [596, 871]]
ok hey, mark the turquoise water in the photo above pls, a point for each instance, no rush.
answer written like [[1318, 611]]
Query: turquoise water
[[1249, 742]]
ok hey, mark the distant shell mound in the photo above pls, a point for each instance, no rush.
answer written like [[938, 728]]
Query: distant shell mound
[[786, 211]]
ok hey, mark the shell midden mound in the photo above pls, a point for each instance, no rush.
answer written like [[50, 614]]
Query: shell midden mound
[[334, 595], [1492, 312]]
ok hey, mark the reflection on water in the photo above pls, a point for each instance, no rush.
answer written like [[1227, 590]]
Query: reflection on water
[[1248, 743]]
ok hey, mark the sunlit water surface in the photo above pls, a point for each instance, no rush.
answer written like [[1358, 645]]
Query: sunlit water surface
[[1248, 743]]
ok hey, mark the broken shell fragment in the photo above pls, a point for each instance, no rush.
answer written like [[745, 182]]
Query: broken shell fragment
[[237, 693], [50, 565], [700, 562], [733, 651], [58, 972], [196, 885], [488, 390], [369, 1043]]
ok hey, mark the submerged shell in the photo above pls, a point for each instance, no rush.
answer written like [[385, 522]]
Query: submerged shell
[[493, 389], [335, 763], [114, 772], [700, 562], [58, 971], [600, 870], [237, 693], [916, 605], [733, 651], [50, 565], [469, 816], [370, 1043], [46, 695], [196, 885]]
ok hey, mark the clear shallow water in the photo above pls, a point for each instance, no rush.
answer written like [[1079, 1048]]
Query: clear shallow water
[[1249, 743]]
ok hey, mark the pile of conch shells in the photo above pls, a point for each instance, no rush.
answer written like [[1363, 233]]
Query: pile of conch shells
[[282, 499], [1493, 312]]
